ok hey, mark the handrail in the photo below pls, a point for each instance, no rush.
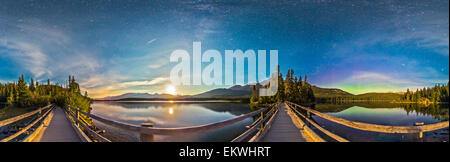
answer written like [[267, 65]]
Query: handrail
[[262, 132], [307, 132], [376, 127], [171, 131], [254, 125], [27, 127], [332, 135], [80, 119], [20, 117], [81, 122]]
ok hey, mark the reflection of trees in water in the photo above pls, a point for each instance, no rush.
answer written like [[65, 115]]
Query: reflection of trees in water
[[338, 107], [440, 112], [136, 105], [233, 108]]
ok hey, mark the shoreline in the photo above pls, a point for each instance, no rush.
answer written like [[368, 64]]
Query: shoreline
[[171, 101]]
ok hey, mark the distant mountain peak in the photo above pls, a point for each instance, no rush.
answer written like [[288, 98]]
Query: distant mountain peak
[[318, 91], [137, 96]]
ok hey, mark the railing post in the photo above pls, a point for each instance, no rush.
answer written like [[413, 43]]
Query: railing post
[[420, 134], [262, 122], [77, 117], [146, 137]]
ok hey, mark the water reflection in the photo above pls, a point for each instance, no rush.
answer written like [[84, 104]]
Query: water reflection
[[172, 114], [384, 114], [170, 111], [438, 111]]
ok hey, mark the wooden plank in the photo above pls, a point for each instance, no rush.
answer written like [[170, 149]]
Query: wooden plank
[[60, 129], [84, 125], [26, 128], [95, 134], [78, 131], [266, 128], [37, 134], [20, 117], [283, 129], [332, 135], [376, 127], [254, 127], [307, 132]]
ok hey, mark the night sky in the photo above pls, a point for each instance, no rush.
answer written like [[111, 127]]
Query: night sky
[[114, 47]]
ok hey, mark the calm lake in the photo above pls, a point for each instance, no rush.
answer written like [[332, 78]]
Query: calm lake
[[182, 114], [171, 115], [385, 114]]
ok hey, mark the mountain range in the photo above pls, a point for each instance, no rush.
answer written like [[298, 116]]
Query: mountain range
[[236, 91]]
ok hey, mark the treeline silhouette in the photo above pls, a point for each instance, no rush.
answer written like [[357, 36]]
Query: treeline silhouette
[[437, 94], [371, 97], [291, 88], [20, 94]]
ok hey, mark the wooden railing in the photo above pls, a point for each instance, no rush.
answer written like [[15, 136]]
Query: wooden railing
[[260, 126], [376, 127], [81, 122], [149, 131], [23, 116], [20, 117], [328, 133]]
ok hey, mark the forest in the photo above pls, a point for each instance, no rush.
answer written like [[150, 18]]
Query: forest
[[437, 94], [291, 88], [296, 89], [366, 97], [21, 94]]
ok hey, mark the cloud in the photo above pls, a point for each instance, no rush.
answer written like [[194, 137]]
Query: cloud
[[151, 41], [31, 56], [154, 66], [142, 83], [47, 52], [159, 63], [99, 89], [101, 80]]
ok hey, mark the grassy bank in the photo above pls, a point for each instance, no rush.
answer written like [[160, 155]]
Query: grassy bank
[[9, 112]]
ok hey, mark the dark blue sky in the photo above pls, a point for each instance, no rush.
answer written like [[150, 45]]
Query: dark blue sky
[[114, 47]]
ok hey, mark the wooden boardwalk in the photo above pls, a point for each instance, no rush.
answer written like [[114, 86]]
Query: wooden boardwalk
[[58, 130], [283, 128], [283, 123]]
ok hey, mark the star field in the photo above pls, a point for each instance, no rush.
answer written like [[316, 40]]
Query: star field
[[357, 45]]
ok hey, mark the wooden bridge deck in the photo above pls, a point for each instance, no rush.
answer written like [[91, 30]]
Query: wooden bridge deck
[[58, 130], [283, 128]]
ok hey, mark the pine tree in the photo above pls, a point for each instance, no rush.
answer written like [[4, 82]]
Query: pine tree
[[280, 92], [32, 87], [10, 98], [23, 92]]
